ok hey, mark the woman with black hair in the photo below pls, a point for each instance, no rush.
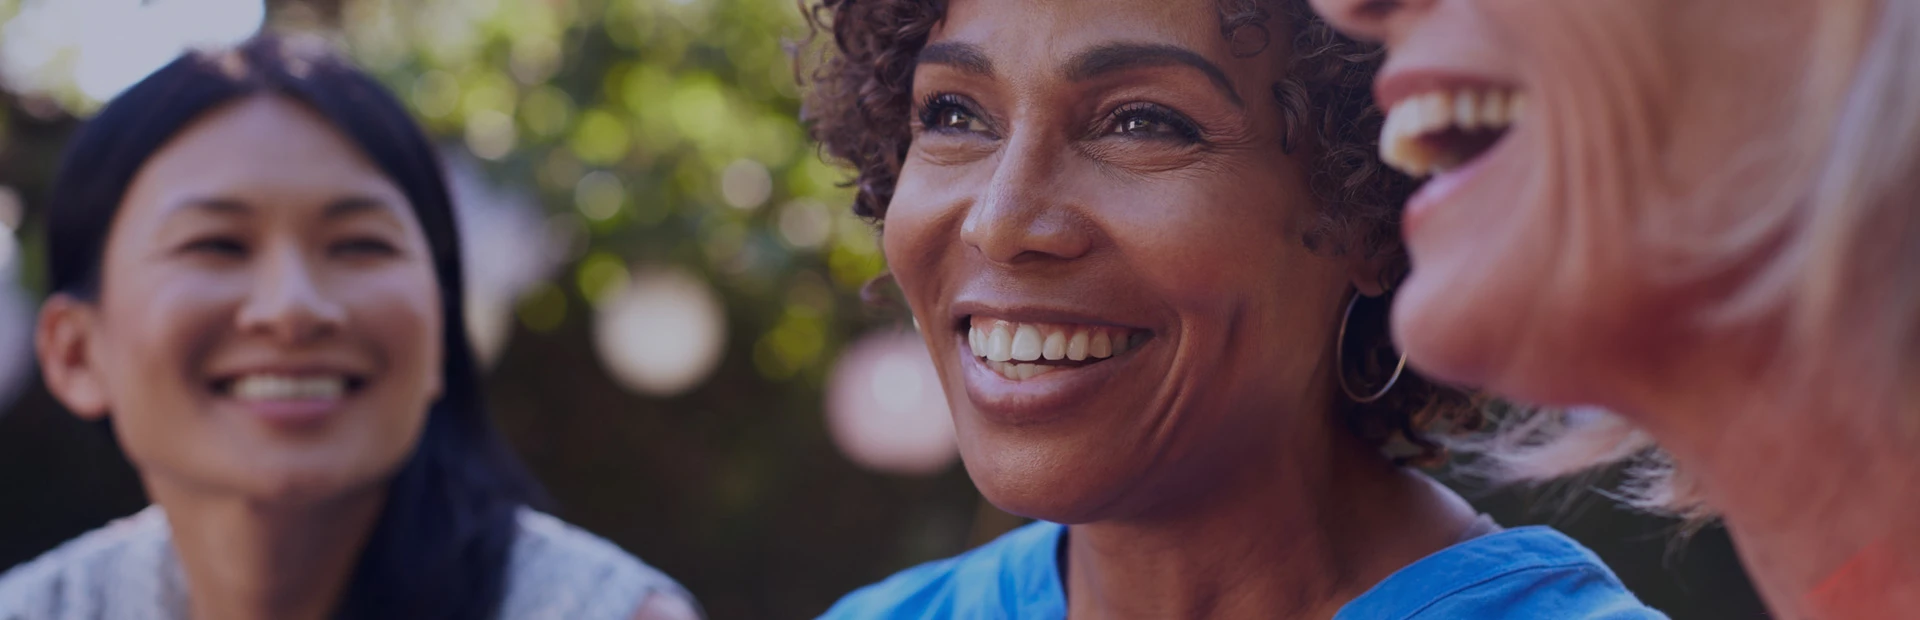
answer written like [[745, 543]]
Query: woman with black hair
[[255, 279]]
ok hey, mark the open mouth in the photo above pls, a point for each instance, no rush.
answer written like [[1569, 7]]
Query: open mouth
[[263, 387], [1020, 351], [1434, 132]]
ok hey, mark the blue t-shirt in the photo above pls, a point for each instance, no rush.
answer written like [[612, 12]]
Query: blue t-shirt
[[1522, 573]]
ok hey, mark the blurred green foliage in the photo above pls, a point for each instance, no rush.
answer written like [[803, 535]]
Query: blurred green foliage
[[665, 129]]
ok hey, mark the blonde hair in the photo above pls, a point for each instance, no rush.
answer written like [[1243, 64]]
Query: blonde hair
[[1846, 278]]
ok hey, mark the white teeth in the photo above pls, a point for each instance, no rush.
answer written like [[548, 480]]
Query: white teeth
[[1026, 343], [1005, 346], [1056, 346], [1020, 372], [271, 387], [1077, 346], [1000, 344], [1466, 110], [1493, 109], [1419, 116]]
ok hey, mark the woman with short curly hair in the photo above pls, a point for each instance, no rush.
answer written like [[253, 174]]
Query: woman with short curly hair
[[1150, 249]]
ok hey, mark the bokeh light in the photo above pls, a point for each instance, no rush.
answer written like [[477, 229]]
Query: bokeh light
[[490, 134], [17, 308], [746, 184], [805, 223], [885, 408], [11, 208], [17, 314], [598, 195], [96, 48], [662, 333], [506, 250]]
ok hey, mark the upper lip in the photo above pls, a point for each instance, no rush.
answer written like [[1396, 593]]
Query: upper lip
[[1394, 85], [1030, 313]]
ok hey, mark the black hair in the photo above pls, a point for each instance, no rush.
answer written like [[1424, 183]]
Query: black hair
[[440, 547]]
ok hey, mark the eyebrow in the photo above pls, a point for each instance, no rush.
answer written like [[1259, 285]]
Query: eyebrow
[[966, 57], [352, 205], [338, 209], [1114, 57]]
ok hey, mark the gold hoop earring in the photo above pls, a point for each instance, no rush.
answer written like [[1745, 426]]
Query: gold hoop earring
[[1340, 362]]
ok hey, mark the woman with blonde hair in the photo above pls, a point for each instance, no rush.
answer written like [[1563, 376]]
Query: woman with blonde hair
[[1700, 217]]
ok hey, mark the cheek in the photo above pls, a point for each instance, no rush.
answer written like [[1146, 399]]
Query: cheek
[[1601, 198], [1228, 261], [400, 312], [152, 343], [1199, 243], [156, 338], [922, 225], [1528, 254]]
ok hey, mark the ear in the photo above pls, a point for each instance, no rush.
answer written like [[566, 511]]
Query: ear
[[63, 338], [1371, 275]]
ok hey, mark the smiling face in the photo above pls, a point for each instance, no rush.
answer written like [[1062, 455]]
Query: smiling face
[[1100, 233], [268, 323], [1595, 167]]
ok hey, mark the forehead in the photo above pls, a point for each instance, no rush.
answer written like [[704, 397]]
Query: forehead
[[1041, 33], [264, 149]]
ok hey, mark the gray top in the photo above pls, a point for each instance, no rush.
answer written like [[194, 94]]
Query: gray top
[[127, 571]]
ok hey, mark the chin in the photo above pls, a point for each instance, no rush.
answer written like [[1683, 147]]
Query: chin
[[303, 484], [1445, 337], [1527, 350], [1037, 482], [295, 490]]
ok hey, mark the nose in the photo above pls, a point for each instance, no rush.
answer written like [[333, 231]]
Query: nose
[[1021, 215], [287, 303], [1369, 20]]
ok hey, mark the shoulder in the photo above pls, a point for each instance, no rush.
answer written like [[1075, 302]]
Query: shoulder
[[1013, 576], [126, 560], [558, 570], [1528, 572]]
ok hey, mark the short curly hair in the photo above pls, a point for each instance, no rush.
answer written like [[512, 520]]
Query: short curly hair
[[859, 101]]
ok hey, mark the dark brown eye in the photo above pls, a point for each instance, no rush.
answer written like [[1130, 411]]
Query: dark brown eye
[[224, 247], [1146, 120], [950, 114], [1141, 125], [958, 119]]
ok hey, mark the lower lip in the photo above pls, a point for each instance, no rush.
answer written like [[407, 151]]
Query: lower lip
[[292, 414], [1444, 186], [1052, 396]]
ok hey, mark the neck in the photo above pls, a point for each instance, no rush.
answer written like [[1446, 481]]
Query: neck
[[1282, 538], [1815, 479], [247, 560]]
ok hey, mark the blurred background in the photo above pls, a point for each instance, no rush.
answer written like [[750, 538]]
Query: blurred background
[[665, 283]]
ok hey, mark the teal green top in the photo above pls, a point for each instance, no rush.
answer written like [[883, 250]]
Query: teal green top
[[1521, 573]]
